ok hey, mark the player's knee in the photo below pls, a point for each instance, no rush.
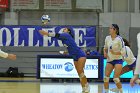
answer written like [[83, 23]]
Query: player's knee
[[81, 75], [116, 80], [106, 79]]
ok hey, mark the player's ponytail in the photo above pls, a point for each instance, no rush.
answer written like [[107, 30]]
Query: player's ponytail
[[70, 32], [126, 42]]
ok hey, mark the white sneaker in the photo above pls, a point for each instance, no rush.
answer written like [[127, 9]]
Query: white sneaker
[[86, 89]]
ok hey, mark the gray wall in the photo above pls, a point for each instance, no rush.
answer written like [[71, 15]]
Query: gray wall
[[125, 13], [59, 18], [129, 24], [133, 31], [103, 33], [26, 58], [133, 39]]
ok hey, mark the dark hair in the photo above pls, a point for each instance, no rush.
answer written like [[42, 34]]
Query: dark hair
[[70, 32], [116, 27], [126, 42]]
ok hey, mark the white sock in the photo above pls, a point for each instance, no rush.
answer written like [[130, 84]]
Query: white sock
[[87, 88], [86, 85], [83, 88]]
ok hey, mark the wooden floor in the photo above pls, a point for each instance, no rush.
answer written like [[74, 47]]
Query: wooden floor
[[32, 85]]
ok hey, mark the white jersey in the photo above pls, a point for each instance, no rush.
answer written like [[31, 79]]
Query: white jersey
[[129, 56], [117, 45], [3, 54], [137, 70]]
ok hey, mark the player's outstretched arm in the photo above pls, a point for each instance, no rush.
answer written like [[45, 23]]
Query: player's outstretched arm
[[12, 56], [8, 56], [44, 33]]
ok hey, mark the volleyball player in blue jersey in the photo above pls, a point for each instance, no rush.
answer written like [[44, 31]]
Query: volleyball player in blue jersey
[[78, 55]]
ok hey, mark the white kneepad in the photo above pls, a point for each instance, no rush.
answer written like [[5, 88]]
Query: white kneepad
[[116, 80], [106, 79], [81, 75]]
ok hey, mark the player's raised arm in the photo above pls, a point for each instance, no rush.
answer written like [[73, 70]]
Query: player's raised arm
[[45, 19]]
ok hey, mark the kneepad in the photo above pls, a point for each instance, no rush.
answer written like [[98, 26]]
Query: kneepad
[[106, 79], [116, 80], [81, 75]]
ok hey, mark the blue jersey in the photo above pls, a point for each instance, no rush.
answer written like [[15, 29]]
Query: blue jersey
[[71, 45]]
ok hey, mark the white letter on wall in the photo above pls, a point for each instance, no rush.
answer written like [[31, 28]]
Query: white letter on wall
[[80, 38], [8, 36]]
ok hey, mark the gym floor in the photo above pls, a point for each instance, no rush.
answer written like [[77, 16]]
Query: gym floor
[[32, 85]]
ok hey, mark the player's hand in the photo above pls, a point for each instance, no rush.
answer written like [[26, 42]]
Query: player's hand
[[105, 55], [132, 81], [12, 56], [45, 22], [42, 32], [111, 51], [65, 53]]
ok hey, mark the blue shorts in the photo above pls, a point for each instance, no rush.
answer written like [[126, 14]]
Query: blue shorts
[[76, 57], [132, 65], [114, 62]]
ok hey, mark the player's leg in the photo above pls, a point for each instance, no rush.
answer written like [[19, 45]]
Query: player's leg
[[132, 67], [133, 80], [117, 71], [76, 67], [125, 69], [80, 70], [108, 70], [138, 80]]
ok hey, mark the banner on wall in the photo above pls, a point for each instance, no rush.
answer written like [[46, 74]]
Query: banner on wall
[[24, 4], [3, 3], [89, 4], [64, 68], [57, 4], [85, 36]]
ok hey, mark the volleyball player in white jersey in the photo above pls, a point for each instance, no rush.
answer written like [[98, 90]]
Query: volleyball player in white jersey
[[137, 69], [131, 61], [128, 56], [6, 55], [113, 48]]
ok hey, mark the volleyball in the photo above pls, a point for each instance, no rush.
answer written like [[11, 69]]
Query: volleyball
[[45, 19]]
